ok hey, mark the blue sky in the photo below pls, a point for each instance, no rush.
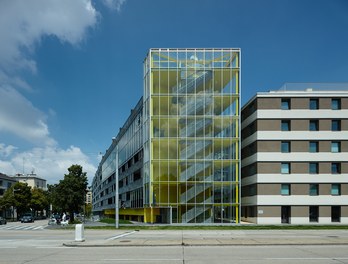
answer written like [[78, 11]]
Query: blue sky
[[70, 71]]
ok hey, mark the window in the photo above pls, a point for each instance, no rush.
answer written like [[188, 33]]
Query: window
[[335, 214], [285, 168], [313, 168], [313, 146], [313, 125], [335, 189], [285, 125], [335, 168], [285, 189], [286, 104], [313, 213], [313, 189], [335, 104], [336, 125], [335, 146], [286, 146], [313, 104]]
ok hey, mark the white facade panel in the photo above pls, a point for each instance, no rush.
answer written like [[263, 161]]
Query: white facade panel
[[296, 178], [295, 114], [295, 156], [302, 200], [295, 135], [269, 220]]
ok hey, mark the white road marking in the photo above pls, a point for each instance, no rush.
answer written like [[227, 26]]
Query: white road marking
[[123, 235]]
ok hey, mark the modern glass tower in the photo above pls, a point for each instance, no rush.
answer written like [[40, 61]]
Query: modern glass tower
[[191, 108]]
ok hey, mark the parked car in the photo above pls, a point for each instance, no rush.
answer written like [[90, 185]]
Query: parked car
[[27, 218], [3, 221]]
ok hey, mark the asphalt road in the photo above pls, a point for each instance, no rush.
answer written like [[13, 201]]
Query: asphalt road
[[30, 245]]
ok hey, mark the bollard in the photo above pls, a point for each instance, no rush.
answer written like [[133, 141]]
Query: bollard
[[79, 233]]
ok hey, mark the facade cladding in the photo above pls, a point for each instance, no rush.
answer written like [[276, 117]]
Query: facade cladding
[[184, 168], [294, 157]]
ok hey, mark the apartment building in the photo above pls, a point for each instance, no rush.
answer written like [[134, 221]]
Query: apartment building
[[185, 167], [294, 157]]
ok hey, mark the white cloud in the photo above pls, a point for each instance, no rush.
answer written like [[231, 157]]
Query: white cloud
[[24, 23], [114, 4], [6, 150], [50, 163], [18, 116]]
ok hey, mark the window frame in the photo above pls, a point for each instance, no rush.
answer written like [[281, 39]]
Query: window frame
[[338, 189], [337, 167], [336, 106], [287, 123], [285, 191], [286, 149], [313, 103], [315, 166], [335, 125], [285, 104], [287, 169], [314, 125], [314, 191], [338, 146], [316, 143]]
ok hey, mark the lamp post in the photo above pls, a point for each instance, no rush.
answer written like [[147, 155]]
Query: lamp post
[[116, 188], [13, 207]]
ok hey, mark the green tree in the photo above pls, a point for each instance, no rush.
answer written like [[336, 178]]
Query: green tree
[[39, 200], [69, 195]]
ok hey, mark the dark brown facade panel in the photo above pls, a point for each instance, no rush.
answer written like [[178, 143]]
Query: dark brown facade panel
[[344, 167], [325, 189], [299, 103], [325, 167], [324, 211], [299, 189], [269, 167], [299, 125], [344, 103], [344, 189], [324, 146], [269, 103], [299, 167], [344, 211], [299, 211], [344, 125], [268, 146], [324, 103], [268, 189], [325, 125], [299, 146], [344, 146], [268, 125], [269, 211]]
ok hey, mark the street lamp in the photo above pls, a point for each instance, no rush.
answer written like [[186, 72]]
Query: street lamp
[[13, 193], [116, 187]]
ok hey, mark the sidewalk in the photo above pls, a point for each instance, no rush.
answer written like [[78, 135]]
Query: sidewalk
[[216, 238]]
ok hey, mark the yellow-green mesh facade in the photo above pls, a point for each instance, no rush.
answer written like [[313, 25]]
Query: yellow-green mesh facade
[[191, 135]]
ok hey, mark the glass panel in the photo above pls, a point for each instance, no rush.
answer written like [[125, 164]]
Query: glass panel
[[313, 104], [313, 189], [285, 125], [285, 168], [335, 146], [285, 104], [313, 146], [285, 147], [335, 189], [313, 168], [336, 125], [336, 104], [285, 189]]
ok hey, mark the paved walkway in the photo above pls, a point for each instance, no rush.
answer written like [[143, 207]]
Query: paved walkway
[[212, 238]]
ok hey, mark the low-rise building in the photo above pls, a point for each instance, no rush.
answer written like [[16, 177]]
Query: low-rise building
[[294, 157]]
